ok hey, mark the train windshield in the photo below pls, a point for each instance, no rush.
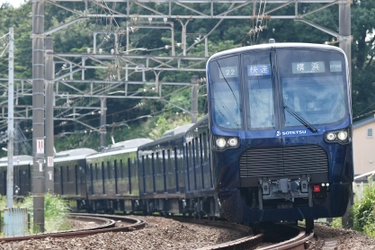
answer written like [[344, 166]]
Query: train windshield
[[278, 88], [313, 87]]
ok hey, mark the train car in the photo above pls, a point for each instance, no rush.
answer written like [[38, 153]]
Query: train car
[[175, 173], [70, 173], [281, 132], [22, 172], [162, 169], [112, 177]]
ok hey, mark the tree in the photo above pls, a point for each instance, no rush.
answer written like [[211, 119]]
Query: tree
[[363, 67]]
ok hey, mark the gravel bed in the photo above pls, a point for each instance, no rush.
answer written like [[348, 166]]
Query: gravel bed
[[167, 234], [343, 239], [159, 233]]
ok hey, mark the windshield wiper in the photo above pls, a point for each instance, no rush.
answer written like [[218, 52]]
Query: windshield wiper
[[301, 119]]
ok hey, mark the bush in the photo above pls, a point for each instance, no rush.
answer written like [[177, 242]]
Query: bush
[[55, 212], [364, 210]]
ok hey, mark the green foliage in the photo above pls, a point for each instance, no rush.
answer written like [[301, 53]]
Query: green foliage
[[337, 222], [363, 211], [55, 212], [3, 202], [164, 124]]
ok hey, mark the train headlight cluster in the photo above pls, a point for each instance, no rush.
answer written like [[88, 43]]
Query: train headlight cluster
[[339, 136], [222, 142]]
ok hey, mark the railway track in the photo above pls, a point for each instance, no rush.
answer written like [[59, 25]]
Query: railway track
[[272, 237], [286, 237], [100, 224]]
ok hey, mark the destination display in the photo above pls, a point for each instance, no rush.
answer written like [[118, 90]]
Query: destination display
[[259, 70], [308, 67]]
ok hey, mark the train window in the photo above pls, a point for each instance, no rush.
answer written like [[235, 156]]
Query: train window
[[92, 178], [121, 170], [62, 180], [96, 171], [164, 171], [109, 170], [257, 68], [204, 151], [67, 174], [369, 133], [103, 170], [116, 170], [197, 151], [130, 175], [169, 161], [76, 178], [153, 172], [103, 178], [225, 92], [201, 149], [143, 174], [55, 174], [75, 173], [176, 168]]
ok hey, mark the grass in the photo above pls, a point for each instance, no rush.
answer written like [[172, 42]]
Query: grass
[[56, 212]]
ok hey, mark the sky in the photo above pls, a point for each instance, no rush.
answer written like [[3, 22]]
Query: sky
[[14, 3]]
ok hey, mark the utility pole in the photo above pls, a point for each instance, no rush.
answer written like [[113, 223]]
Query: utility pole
[[103, 122], [10, 184], [50, 70], [38, 187]]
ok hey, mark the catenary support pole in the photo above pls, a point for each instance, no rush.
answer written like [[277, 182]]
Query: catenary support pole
[[38, 113], [49, 64], [10, 181]]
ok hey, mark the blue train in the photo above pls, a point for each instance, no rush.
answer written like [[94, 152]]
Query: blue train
[[274, 146], [281, 125]]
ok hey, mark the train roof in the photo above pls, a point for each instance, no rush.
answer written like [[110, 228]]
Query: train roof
[[178, 130], [17, 160], [121, 147], [73, 154], [133, 143], [275, 45], [170, 135]]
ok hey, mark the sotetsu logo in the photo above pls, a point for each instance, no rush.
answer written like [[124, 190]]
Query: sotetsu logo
[[290, 132]]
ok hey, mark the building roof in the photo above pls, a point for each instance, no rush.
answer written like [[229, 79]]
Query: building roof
[[364, 121]]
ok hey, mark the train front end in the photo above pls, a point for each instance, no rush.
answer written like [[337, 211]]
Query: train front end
[[280, 122]]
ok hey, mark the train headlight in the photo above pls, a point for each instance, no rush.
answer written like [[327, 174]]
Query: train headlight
[[233, 142], [342, 135], [224, 142], [331, 136], [221, 142]]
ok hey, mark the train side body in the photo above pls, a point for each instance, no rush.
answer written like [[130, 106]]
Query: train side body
[[22, 175], [70, 173], [162, 173], [280, 118], [112, 180], [175, 174]]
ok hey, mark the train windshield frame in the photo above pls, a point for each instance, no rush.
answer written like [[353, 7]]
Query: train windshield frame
[[279, 88]]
